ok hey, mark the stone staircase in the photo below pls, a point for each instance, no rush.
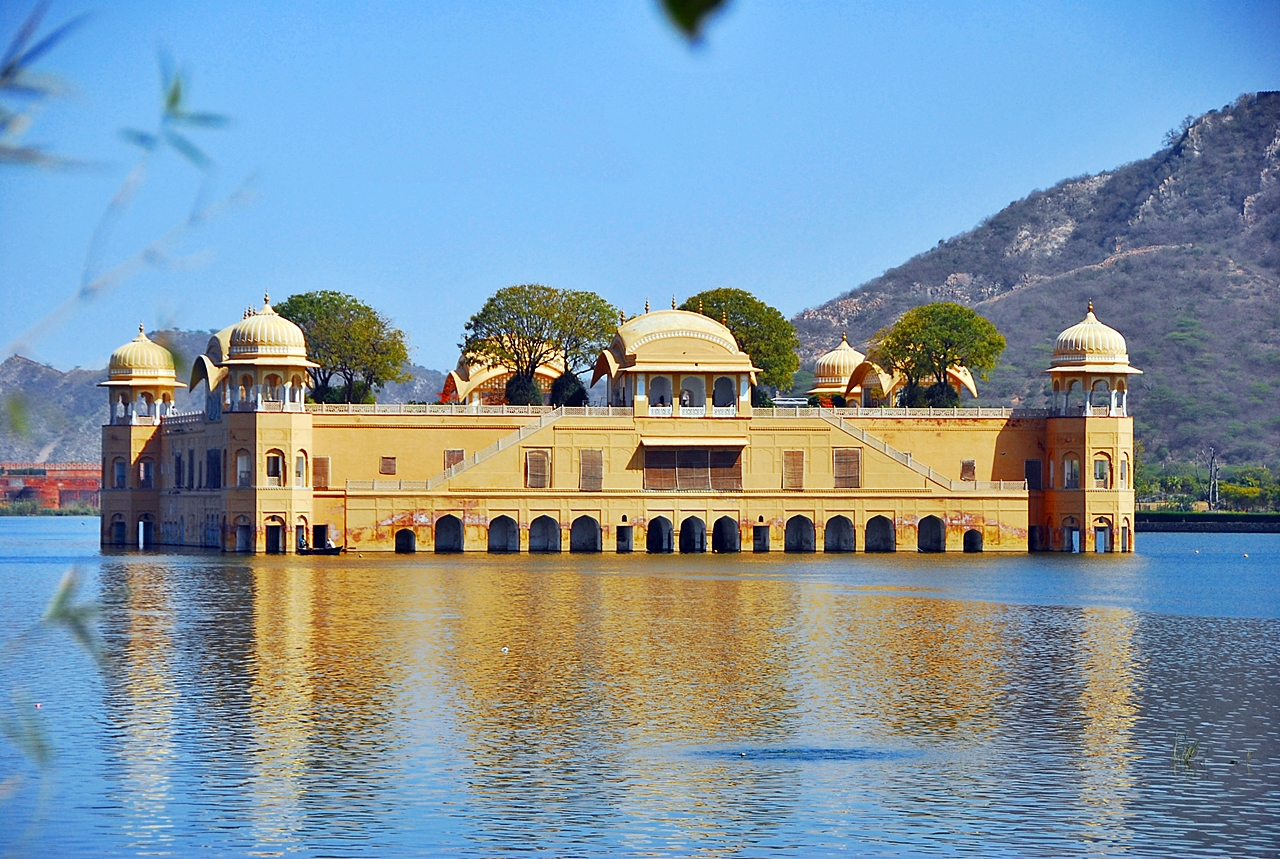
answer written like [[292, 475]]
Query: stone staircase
[[500, 445]]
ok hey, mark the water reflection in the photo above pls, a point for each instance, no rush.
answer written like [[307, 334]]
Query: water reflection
[[603, 706]]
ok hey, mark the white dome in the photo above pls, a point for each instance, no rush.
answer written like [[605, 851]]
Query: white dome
[[266, 333], [1090, 342], [835, 367]]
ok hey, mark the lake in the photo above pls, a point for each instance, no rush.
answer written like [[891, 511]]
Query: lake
[[643, 705]]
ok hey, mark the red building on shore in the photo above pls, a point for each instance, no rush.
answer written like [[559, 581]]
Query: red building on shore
[[52, 485]]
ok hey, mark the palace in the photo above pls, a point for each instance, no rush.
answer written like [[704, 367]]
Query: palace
[[679, 459]]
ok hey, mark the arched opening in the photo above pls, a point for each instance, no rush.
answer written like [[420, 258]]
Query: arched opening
[[722, 394], [300, 469], [275, 468], [584, 535], [272, 388], [275, 535], [145, 401], [1071, 471], [1125, 531], [448, 534], [658, 540], [146, 473], [119, 474], [504, 536], [1071, 535], [1102, 535], [693, 392], [119, 530], [299, 534], [1068, 398], [839, 535], [244, 534], [660, 391], [1100, 396], [800, 536], [725, 536], [544, 535], [931, 535], [693, 535], [146, 531], [973, 541], [1101, 471], [406, 542], [244, 469], [881, 535]]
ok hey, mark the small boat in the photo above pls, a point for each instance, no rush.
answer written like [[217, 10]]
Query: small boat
[[322, 550]]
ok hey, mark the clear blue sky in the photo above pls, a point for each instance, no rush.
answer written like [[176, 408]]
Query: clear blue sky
[[421, 156]]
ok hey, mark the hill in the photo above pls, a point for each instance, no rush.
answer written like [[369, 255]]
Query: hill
[[1179, 251]]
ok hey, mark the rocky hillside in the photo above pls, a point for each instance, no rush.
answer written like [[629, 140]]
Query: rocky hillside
[[1180, 252]]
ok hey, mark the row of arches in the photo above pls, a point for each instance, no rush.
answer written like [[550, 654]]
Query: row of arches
[[662, 537]]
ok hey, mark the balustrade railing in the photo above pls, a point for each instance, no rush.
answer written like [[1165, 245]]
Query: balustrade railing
[[886, 412]]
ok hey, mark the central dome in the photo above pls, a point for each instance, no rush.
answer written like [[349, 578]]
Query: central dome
[[1090, 342], [141, 356], [266, 333]]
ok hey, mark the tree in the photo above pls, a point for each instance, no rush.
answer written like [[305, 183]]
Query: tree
[[928, 340], [349, 340], [761, 331], [523, 327]]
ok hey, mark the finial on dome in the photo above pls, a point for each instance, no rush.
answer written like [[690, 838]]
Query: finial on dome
[[1091, 305], [724, 317], [673, 301], [622, 316], [700, 307], [266, 297], [844, 337], [142, 329], [646, 305]]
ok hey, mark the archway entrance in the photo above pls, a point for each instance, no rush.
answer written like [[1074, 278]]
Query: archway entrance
[[504, 535], [881, 535], [931, 535], [973, 541], [544, 535], [800, 535], [724, 535], [406, 542], [584, 535], [839, 535], [693, 535], [658, 540], [448, 534]]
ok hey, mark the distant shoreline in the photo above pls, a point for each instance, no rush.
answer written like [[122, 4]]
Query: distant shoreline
[[1151, 521]]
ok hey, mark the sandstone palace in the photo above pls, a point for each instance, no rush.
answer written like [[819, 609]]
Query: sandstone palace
[[679, 460]]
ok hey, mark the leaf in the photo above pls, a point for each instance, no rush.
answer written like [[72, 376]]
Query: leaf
[[24, 34], [173, 96], [690, 15], [49, 41], [201, 120], [140, 138], [187, 149]]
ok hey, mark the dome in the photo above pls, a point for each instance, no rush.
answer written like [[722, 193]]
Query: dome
[[1090, 342], [266, 334], [141, 357], [672, 341], [676, 325], [835, 367]]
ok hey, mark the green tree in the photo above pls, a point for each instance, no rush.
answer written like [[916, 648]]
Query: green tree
[[350, 341], [523, 327], [927, 340], [761, 331]]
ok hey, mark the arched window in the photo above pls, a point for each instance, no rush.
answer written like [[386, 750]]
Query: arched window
[[272, 388], [296, 390], [119, 474], [660, 391], [1101, 471], [145, 402], [244, 468], [1071, 471], [693, 393], [275, 468], [300, 469], [146, 473], [722, 393], [1124, 471]]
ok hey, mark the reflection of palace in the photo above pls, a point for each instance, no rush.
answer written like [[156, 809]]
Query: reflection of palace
[[679, 459]]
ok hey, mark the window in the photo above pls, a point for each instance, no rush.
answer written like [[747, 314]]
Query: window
[[275, 468], [590, 470], [659, 468], [1070, 473], [320, 472], [1101, 473], [244, 469], [693, 469], [1124, 474], [726, 469], [847, 467], [213, 469], [146, 474], [968, 470], [537, 469], [793, 469], [387, 465], [177, 470], [1033, 472], [453, 456], [300, 470], [120, 474], [191, 469]]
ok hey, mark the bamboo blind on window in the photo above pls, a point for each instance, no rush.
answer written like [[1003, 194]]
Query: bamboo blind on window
[[453, 456], [726, 469], [387, 465], [659, 469], [693, 469], [793, 469], [847, 467], [968, 469], [320, 472], [537, 471], [591, 470]]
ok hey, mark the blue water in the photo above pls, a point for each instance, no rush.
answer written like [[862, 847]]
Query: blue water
[[643, 706]]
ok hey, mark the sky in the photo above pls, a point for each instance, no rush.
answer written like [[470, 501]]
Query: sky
[[421, 156]]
